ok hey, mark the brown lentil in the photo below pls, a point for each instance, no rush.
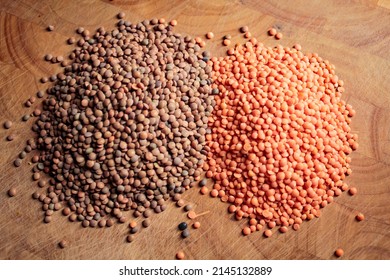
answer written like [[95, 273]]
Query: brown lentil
[[180, 203], [185, 233], [63, 244], [130, 238], [7, 124], [18, 162], [12, 192], [188, 207], [146, 223], [25, 118], [124, 125]]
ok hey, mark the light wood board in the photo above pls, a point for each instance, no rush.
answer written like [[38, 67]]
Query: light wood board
[[353, 35]]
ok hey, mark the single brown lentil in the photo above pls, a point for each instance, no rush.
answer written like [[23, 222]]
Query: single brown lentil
[[17, 162], [130, 238], [62, 244], [180, 203], [7, 124], [25, 118], [12, 192]]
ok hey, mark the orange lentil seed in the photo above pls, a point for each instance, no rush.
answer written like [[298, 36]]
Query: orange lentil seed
[[272, 32], [360, 217], [339, 253], [269, 129], [191, 215], [209, 35], [196, 225], [352, 191], [267, 233], [204, 190], [180, 255], [246, 231], [278, 36], [226, 42]]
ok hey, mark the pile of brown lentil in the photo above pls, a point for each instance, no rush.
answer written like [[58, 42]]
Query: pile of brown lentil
[[123, 127]]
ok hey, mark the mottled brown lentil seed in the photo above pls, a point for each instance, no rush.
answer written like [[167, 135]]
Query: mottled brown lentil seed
[[7, 124], [123, 127]]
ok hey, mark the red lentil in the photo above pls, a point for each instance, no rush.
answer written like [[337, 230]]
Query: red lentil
[[360, 217], [280, 135], [339, 253]]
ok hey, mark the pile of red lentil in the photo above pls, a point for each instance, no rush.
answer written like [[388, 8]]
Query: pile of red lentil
[[280, 135], [138, 111]]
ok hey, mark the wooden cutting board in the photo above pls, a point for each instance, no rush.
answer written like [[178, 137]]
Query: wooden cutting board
[[353, 35]]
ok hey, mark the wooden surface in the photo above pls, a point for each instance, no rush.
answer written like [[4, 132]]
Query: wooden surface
[[353, 35]]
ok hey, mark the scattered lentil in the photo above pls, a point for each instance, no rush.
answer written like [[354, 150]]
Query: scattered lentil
[[352, 191], [204, 190], [226, 42], [267, 233], [40, 94], [185, 233], [180, 255], [62, 244], [339, 253], [130, 238], [12, 192], [278, 36], [283, 229], [209, 35], [360, 217], [196, 225], [272, 31], [244, 29], [191, 215], [25, 118], [182, 226], [203, 182], [180, 203], [18, 162], [7, 124], [146, 223], [246, 231]]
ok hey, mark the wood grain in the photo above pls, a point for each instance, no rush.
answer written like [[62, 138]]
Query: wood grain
[[353, 35]]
